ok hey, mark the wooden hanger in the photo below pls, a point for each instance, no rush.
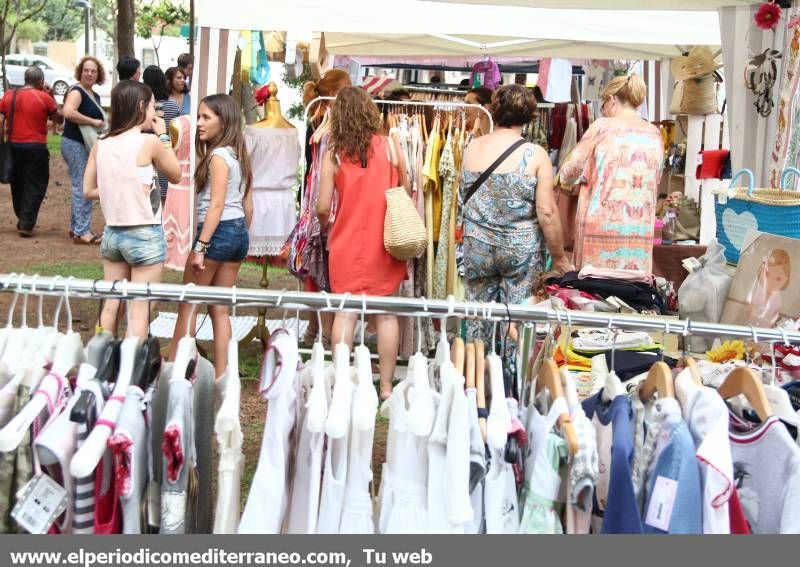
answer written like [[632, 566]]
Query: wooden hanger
[[457, 355], [742, 380], [470, 364], [659, 379], [550, 378], [480, 384], [691, 364]]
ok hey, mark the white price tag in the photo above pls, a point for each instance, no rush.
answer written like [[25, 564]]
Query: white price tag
[[692, 264], [39, 503], [662, 501]]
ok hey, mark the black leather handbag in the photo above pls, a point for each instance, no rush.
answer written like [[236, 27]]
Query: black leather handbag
[[6, 159]]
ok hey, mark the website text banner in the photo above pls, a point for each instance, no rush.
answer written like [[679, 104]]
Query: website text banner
[[401, 551]]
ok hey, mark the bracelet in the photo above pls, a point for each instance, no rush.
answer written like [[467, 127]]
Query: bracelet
[[201, 247], [165, 138]]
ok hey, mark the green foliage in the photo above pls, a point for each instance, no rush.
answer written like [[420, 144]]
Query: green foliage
[[158, 18], [62, 22], [33, 30], [296, 83]]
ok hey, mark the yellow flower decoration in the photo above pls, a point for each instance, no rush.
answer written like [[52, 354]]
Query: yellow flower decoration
[[729, 350]]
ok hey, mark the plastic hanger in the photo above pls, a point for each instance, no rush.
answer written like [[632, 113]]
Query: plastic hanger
[[498, 424], [6, 331], [336, 424], [550, 378], [186, 355], [106, 370], [85, 460], [366, 398], [318, 398], [69, 353], [15, 336]]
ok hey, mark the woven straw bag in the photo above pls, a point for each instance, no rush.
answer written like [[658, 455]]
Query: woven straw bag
[[696, 96], [404, 235]]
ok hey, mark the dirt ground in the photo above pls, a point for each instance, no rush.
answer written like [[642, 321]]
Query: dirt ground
[[51, 252]]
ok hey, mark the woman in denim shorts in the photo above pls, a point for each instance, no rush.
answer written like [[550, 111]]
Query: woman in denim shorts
[[120, 172], [224, 208]]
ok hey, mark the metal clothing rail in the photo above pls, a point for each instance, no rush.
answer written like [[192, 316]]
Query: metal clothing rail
[[431, 103], [293, 300]]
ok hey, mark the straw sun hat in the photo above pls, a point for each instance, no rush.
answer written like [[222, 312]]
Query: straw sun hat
[[698, 63]]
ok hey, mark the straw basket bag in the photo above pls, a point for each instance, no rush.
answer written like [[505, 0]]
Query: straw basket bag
[[404, 235], [696, 96], [738, 210]]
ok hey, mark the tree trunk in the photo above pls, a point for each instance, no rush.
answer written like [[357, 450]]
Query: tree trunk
[[125, 28], [94, 31], [191, 27]]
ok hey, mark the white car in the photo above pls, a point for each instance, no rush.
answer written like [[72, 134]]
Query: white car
[[55, 74]]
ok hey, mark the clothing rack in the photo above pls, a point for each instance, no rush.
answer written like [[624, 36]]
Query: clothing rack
[[292, 300], [440, 104]]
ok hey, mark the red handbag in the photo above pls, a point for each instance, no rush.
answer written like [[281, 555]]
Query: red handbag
[[711, 164]]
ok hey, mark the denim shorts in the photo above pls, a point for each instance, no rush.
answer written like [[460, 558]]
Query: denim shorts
[[136, 245], [230, 241]]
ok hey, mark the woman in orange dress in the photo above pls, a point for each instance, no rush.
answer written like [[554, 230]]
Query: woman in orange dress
[[359, 167]]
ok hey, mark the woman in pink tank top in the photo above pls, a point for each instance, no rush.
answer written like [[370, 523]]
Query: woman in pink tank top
[[120, 173], [360, 170]]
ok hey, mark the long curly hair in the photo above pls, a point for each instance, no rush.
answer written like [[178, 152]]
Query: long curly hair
[[231, 135], [354, 120]]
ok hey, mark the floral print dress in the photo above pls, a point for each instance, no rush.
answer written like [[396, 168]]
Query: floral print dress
[[617, 166]]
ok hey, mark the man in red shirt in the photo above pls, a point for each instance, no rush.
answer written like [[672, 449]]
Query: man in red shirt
[[23, 121]]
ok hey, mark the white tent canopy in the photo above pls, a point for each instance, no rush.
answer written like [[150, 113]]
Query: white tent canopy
[[615, 4], [420, 28]]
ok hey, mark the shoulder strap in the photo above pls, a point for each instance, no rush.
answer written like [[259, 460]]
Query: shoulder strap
[[489, 170], [11, 116]]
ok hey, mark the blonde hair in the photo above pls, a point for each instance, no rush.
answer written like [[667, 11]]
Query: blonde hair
[[628, 90], [329, 85]]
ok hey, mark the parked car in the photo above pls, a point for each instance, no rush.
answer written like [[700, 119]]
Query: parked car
[[56, 75]]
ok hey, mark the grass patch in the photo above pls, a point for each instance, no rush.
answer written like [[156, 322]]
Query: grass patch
[[54, 143], [80, 270]]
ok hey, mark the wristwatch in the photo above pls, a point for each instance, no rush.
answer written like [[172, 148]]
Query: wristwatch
[[201, 247]]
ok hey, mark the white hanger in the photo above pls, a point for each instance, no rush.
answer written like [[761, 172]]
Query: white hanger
[[69, 351], [498, 424], [421, 406], [443, 347], [85, 460], [5, 331], [187, 346], [36, 338], [69, 354], [15, 342], [336, 424], [90, 453], [366, 398], [318, 398]]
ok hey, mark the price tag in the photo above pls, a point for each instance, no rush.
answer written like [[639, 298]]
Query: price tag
[[662, 502], [692, 264], [39, 503]]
